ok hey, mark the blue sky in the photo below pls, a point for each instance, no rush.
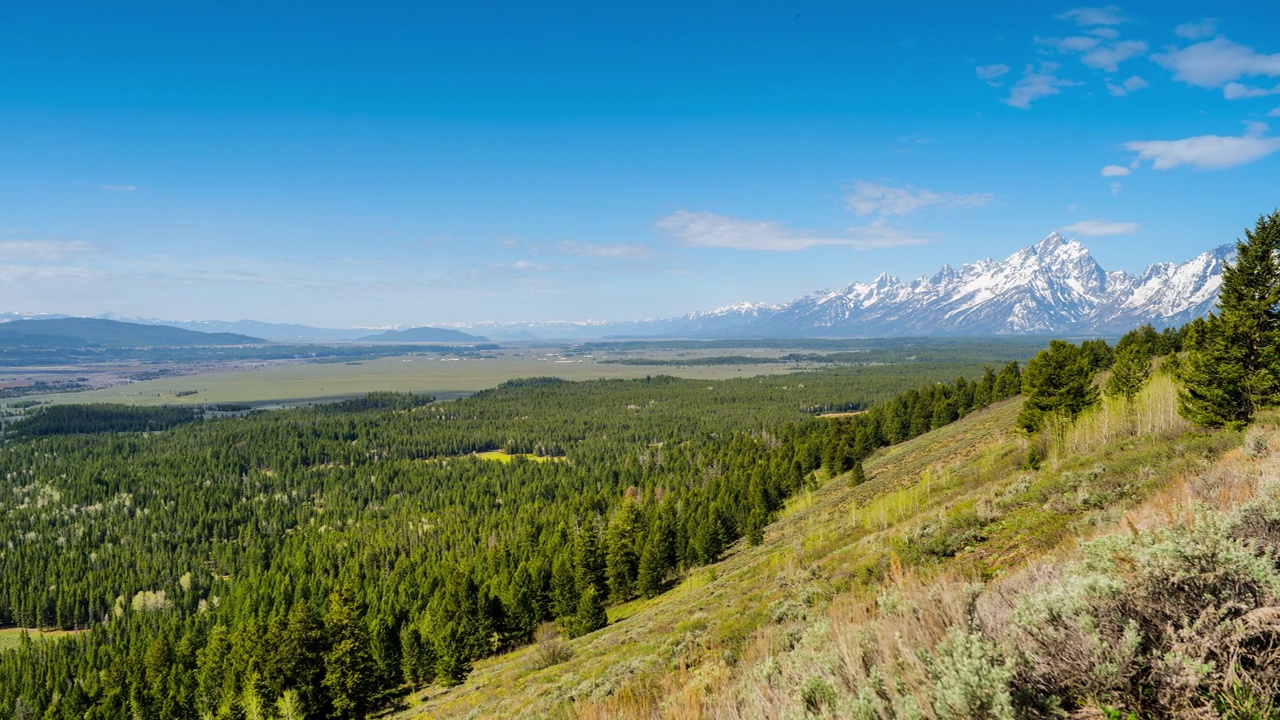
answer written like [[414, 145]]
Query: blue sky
[[426, 163]]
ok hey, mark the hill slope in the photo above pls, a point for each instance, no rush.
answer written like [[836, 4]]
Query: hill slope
[[92, 332], [955, 500], [423, 334]]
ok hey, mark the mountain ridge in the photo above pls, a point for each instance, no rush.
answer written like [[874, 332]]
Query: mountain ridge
[[69, 332]]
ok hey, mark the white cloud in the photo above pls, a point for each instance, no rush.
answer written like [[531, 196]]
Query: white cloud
[[1106, 33], [991, 72], [1216, 62], [1207, 151], [1035, 84], [1274, 113], [1133, 83], [1098, 228], [1115, 171], [118, 188], [1115, 187], [867, 198], [530, 265], [878, 235], [42, 250], [1109, 57], [1075, 44], [705, 229], [1197, 30], [1086, 16], [1237, 91], [43, 273], [605, 251]]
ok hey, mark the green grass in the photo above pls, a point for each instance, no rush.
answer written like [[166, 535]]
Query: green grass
[[302, 382], [10, 637], [503, 456]]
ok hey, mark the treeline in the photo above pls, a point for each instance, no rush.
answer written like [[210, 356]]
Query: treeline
[[851, 439], [101, 418], [304, 563], [844, 358]]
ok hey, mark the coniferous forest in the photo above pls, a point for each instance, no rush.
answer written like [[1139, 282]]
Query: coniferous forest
[[311, 563]]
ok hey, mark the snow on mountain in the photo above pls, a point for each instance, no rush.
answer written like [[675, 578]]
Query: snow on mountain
[[1054, 286]]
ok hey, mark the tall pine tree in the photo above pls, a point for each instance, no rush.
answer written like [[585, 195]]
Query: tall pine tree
[[1232, 367]]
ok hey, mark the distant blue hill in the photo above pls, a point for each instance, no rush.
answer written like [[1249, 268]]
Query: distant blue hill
[[94, 332], [423, 334]]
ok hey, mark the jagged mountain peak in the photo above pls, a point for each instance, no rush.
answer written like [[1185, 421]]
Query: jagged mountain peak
[[1053, 286]]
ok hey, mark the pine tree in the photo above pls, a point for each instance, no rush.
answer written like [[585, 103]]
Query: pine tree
[[1058, 381], [859, 474], [588, 561], [1232, 367], [1129, 372], [564, 591], [1009, 381], [591, 614], [350, 671], [453, 653], [620, 550], [653, 566]]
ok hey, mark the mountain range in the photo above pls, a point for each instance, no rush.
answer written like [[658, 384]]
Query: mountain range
[[1053, 287], [69, 332]]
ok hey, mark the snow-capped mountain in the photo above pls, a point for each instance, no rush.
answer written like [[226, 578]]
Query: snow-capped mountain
[[1054, 286]]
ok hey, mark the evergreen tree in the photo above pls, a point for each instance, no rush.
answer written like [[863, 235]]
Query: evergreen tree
[[1058, 381], [351, 675], [653, 564], [453, 653], [591, 615], [289, 706], [588, 561], [859, 474], [295, 658], [1129, 372], [564, 590], [620, 550], [1009, 381], [1232, 367]]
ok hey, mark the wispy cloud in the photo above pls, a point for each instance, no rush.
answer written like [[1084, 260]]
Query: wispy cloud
[[868, 198], [1087, 16], [878, 235], [1130, 85], [1238, 91], [526, 265], [992, 73], [1197, 30], [42, 250], [1115, 171], [1099, 228], [1215, 62], [1074, 44], [1035, 84], [1094, 52], [605, 251], [1213, 152], [43, 273], [705, 229], [1274, 113], [118, 188], [1109, 57]]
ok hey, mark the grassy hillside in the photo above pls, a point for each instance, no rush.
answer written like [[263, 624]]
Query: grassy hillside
[[792, 627]]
